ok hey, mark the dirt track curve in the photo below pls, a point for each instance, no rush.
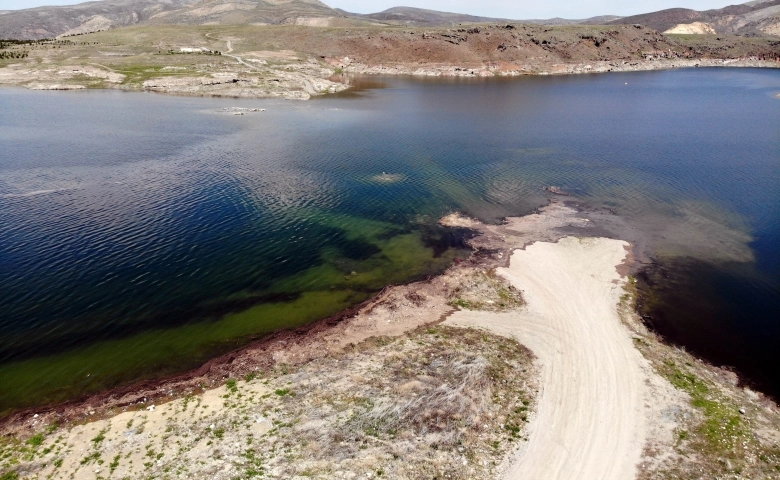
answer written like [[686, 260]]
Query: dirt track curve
[[590, 421]]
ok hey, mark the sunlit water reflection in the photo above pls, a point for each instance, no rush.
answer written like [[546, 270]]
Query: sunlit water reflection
[[141, 234]]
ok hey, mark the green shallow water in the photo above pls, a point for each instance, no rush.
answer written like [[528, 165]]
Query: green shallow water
[[394, 255]]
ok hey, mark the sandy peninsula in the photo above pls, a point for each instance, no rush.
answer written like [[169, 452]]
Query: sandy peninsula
[[590, 420], [526, 360]]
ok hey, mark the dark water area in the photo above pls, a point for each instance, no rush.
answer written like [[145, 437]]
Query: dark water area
[[142, 234], [725, 313]]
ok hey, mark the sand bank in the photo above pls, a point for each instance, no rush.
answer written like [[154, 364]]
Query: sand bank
[[590, 420]]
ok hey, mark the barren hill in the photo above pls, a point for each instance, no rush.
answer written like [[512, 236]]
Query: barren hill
[[421, 17], [244, 11], [757, 17], [48, 22]]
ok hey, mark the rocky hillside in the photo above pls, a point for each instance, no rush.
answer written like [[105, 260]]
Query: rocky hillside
[[752, 18], [759, 17], [421, 17], [499, 44], [49, 22], [245, 11]]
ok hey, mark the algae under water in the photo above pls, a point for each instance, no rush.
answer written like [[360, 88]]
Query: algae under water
[[142, 234]]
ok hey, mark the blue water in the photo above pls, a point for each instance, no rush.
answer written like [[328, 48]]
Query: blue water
[[138, 223]]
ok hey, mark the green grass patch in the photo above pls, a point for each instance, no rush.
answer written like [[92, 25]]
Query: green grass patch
[[465, 304], [94, 457], [36, 440], [114, 463], [99, 438], [722, 428], [232, 386]]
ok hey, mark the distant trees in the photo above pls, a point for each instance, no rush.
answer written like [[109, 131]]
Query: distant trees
[[7, 42], [10, 54], [12, 48], [15, 54]]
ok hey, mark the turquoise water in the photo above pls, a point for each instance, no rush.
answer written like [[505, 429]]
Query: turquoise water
[[142, 234]]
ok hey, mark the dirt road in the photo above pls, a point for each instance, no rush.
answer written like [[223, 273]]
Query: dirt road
[[590, 422]]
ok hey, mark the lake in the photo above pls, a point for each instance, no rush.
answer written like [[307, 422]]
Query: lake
[[142, 234]]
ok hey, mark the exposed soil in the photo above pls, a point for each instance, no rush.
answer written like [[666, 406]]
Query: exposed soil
[[591, 420]]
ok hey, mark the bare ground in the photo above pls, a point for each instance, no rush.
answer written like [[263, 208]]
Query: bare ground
[[591, 420]]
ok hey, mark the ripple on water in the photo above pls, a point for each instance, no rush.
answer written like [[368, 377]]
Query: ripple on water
[[129, 250]]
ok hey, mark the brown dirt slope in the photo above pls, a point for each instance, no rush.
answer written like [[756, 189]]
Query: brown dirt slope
[[497, 43]]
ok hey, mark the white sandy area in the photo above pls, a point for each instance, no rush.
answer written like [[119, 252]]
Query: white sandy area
[[695, 28], [129, 437], [591, 420]]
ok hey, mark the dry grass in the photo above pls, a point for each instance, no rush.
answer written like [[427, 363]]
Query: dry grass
[[439, 402], [443, 402], [484, 290]]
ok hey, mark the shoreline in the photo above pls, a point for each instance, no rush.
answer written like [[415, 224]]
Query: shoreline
[[490, 250], [541, 69], [508, 261], [305, 85], [296, 62], [572, 325]]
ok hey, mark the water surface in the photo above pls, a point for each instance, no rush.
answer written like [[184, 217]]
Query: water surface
[[141, 234]]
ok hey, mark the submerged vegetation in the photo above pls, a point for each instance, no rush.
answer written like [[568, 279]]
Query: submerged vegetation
[[379, 253]]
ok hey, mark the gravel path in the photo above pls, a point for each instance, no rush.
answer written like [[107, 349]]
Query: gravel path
[[590, 421]]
